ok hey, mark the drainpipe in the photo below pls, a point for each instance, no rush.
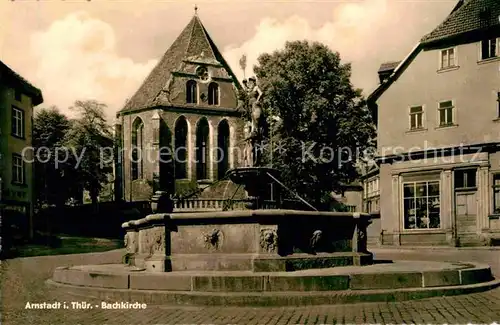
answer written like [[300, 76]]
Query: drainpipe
[[130, 176]]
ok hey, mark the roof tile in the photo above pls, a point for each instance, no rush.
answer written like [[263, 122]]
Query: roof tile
[[466, 16], [387, 66], [193, 42]]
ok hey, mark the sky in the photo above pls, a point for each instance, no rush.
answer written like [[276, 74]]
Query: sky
[[104, 49]]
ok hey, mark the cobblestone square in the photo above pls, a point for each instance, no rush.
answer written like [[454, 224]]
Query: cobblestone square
[[23, 280]]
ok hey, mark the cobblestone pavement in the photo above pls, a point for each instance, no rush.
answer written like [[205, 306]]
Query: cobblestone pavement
[[23, 281]]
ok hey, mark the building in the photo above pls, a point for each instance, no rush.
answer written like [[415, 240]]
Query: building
[[184, 120], [17, 99], [438, 120], [350, 196]]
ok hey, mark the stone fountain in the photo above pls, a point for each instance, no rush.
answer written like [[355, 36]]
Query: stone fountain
[[258, 255], [256, 239]]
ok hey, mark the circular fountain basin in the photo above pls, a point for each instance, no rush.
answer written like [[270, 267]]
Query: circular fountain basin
[[398, 280], [252, 175]]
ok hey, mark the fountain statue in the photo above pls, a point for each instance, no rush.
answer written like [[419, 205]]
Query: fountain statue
[[255, 130], [255, 177]]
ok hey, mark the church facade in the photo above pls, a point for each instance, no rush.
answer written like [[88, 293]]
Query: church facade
[[181, 130]]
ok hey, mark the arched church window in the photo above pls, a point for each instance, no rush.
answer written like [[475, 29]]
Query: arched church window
[[202, 150], [166, 158], [180, 152], [213, 94], [191, 92], [137, 146], [223, 149]]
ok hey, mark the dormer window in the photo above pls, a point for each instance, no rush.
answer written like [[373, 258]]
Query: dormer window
[[213, 94], [448, 58], [191, 92], [485, 17]]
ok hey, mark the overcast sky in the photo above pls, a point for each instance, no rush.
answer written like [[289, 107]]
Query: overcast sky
[[103, 49]]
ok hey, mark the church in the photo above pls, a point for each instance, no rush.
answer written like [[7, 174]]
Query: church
[[181, 131]]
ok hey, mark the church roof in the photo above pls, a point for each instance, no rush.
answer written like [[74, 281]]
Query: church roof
[[466, 16], [193, 44]]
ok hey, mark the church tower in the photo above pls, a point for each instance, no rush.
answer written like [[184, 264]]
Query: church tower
[[179, 131]]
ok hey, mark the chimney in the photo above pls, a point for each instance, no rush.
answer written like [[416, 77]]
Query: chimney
[[386, 70]]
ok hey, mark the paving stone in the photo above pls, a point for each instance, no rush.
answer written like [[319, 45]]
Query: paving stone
[[22, 280]]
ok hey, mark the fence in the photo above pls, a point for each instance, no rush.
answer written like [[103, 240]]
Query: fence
[[105, 219]]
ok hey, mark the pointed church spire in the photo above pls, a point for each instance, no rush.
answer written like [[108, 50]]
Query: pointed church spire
[[193, 44]]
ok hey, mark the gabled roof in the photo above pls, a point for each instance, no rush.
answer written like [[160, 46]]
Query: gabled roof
[[7, 73], [468, 15], [194, 44]]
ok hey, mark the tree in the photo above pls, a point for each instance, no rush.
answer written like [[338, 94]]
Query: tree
[[51, 179], [91, 139], [325, 123]]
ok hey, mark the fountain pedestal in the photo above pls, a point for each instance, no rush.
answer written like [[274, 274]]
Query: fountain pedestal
[[258, 240], [257, 184]]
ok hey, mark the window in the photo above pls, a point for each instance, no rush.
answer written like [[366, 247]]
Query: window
[[372, 195], [191, 92], [421, 205], [223, 149], [203, 74], [489, 48], [448, 58], [166, 158], [498, 104], [17, 122], [202, 150], [213, 94], [18, 96], [446, 113], [371, 188], [465, 179], [17, 169], [496, 194], [137, 145], [416, 118], [180, 152]]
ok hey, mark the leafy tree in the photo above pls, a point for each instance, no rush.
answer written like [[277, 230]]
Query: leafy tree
[[51, 179], [91, 139], [325, 123]]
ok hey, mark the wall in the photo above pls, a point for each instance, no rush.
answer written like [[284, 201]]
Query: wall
[[15, 195], [140, 188], [473, 87], [354, 198]]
